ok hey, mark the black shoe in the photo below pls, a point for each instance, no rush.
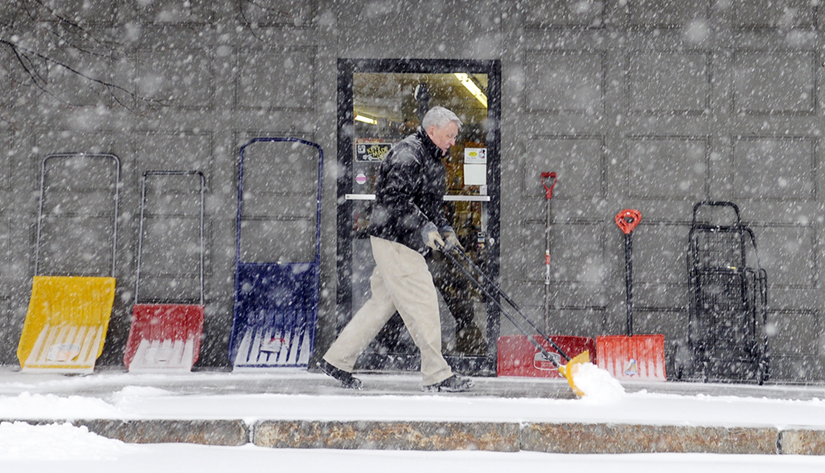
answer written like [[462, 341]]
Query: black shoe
[[453, 384], [347, 379]]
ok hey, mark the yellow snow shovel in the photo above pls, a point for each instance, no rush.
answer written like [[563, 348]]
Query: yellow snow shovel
[[68, 316], [568, 370]]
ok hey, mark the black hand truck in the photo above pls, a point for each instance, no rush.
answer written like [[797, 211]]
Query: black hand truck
[[727, 338]]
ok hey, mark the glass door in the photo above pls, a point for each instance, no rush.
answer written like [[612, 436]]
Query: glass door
[[380, 103]]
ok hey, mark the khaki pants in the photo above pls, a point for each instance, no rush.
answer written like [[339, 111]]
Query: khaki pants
[[400, 281]]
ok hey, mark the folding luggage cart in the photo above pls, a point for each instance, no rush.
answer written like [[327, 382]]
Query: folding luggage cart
[[728, 299]]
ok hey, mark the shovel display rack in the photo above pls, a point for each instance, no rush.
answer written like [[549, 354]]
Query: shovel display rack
[[68, 316], [166, 337]]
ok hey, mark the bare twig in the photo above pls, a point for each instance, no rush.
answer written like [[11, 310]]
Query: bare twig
[[24, 57], [253, 25], [61, 34]]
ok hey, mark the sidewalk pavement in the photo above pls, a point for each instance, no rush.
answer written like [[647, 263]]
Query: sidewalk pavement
[[299, 409]]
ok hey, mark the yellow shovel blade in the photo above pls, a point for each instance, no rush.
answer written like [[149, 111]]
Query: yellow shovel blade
[[66, 323], [569, 370]]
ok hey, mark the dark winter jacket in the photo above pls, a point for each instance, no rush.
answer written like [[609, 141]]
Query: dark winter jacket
[[409, 192]]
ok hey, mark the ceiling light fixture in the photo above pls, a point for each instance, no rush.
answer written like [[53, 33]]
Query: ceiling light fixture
[[363, 119], [467, 82]]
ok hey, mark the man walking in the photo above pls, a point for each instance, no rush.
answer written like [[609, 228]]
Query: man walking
[[407, 222]]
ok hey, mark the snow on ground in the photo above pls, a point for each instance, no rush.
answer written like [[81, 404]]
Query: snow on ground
[[232, 396], [595, 384], [295, 396]]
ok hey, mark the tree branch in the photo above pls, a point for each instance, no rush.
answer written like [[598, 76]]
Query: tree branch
[[61, 34], [24, 57]]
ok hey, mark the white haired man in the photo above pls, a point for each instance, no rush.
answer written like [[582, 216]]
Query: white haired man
[[407, 222]]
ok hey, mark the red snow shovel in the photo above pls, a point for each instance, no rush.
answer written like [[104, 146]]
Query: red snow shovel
[[631, 357], [520, 356], [166, 337]]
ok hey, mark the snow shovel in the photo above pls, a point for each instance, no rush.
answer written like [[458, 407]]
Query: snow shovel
[[548, 195], [491, 290], [165, 337], [68, 316], [276, 302], [631, 357], [517, 356]]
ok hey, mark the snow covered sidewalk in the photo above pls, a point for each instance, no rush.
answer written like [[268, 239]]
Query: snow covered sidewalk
[[300, 410], [260, 399], [299, 395]]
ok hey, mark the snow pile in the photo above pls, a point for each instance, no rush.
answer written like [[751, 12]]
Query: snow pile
[[597, 384], [44, 406], [127, 398], [22, 441]]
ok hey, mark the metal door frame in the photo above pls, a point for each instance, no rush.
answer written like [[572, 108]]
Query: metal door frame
[[477, 365]]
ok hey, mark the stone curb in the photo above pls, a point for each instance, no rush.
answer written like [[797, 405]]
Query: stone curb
[[802, 442], [502, 437], [203, 432], [511, 437], [627, 438], [490, 436]]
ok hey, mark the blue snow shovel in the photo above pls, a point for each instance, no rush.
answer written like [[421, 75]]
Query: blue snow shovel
[[276, 282]]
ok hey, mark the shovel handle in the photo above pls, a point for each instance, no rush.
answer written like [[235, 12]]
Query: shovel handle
[[492, 286], [548, 191], [627, 220], [548, 194], [628, 279]]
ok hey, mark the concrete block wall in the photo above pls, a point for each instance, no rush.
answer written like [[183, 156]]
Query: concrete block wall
[[194, 83], [655, 106], [651, 105]]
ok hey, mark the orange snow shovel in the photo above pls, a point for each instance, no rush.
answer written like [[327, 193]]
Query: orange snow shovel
[[631, 357]]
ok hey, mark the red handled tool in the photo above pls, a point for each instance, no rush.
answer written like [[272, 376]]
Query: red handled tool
[[630, 356], [518, 355], [548, 195]]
